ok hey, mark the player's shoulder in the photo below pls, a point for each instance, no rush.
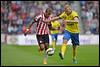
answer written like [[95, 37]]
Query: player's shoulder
[[62, 13], [74, 12]]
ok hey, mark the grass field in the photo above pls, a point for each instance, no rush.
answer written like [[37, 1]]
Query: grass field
[[14, 55]]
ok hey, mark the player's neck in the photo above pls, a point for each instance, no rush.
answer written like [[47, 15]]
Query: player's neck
[[69, 12]]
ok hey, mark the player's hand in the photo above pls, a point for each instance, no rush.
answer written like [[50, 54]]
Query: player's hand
[[25, 34], [64, 22], [26, 31]]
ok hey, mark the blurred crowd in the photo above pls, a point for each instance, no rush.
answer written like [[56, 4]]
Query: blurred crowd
[[15, 15], [90, 16]]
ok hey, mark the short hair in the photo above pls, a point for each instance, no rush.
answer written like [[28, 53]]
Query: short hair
[[67, 5], [48, 10]]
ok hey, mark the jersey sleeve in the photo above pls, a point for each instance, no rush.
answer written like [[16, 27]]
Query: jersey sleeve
[[62, 15], [36, 19], [58, 23], [75, 15]]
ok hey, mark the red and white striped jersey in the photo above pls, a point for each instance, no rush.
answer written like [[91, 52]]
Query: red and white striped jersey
[[42, 27]]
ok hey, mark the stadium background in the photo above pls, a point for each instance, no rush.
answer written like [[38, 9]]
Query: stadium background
[[17, 14]]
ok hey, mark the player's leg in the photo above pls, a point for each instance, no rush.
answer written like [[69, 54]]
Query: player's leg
[[41, 47], [46, 45], [54, 39], [66, 38], [75, 42], [40, 43], [74, 54], [45, 54]]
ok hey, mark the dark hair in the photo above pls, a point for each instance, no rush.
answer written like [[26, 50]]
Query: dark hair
[[48, 10]]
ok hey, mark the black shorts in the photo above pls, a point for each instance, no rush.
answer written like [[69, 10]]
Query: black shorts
[[42, 39]]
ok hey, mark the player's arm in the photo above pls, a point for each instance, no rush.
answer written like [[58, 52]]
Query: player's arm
[[61, 16], [29, 26], [36, 19], [62, 27], [76, 20], [56, 18], [31, 23], [52, 19]]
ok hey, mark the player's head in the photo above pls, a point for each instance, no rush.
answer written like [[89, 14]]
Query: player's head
[[67, 9], [48, 12]]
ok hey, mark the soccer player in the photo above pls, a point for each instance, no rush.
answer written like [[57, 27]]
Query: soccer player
[[42, 31], [71, 20], [54, 31]]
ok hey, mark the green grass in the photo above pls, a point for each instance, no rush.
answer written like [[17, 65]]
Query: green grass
[[14, 55]]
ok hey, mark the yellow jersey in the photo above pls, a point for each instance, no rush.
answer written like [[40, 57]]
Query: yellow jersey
[[55, 26], [70, 26]]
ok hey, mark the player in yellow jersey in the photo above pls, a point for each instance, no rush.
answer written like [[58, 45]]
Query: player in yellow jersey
[[71, 20], [54, 31]]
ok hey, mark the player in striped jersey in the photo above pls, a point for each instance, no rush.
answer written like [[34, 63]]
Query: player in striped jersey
[[42, 30]]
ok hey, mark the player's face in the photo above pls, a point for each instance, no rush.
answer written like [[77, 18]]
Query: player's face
[[47, 14], [67, 9]]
